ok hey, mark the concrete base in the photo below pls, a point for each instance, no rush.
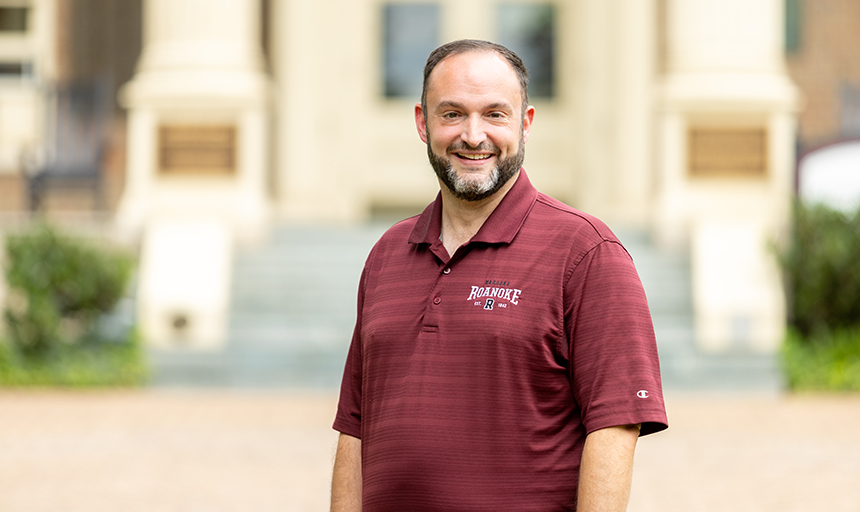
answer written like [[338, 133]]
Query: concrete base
[[184, 284]]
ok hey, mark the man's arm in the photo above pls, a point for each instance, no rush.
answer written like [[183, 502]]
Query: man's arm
[[606, 471], [346, 477]]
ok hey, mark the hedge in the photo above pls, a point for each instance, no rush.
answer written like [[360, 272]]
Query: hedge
[[60, 291], [821, 265]]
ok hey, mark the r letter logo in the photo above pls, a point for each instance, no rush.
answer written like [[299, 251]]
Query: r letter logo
[[489, 304]]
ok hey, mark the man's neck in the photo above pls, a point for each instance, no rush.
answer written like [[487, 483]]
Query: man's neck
[[461, 219]]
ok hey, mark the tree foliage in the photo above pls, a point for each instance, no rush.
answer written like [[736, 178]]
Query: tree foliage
[[822, 268]]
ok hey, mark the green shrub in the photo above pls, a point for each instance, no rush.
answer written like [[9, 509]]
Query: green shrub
[[59, 287], [821, 265], [824, 362], [59, 290], [822, 269]]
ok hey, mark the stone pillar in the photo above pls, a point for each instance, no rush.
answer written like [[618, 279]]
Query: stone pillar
[[198, 125], [725, 131], [197, 156], [614, 108]]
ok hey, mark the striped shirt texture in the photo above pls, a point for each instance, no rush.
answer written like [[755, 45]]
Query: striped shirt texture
[[472, 380]]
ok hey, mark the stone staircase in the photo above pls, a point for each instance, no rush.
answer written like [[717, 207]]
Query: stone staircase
[[291, 316], [293, 309], [667, 279]]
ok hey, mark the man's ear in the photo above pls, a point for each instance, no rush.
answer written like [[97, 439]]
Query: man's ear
[[421, 122], [528, 118]]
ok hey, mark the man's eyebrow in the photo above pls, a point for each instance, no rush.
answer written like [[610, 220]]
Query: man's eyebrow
[[501, 105], [449, 104]]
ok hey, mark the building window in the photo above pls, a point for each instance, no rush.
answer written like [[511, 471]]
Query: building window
[[14, 23], [792, 26], [13, 19], [15, 69], [529, 30], [411, 32]]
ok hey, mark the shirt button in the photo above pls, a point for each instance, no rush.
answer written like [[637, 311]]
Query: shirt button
[[437, 300], [446, 271]]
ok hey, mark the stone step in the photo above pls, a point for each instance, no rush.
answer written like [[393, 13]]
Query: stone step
[[292, 334], [721, 373], [248, 369], [293, 309], [674, 332], [325, 303], [319, 365]]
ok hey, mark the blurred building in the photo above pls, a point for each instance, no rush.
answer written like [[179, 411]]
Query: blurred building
[[820, 41], [208, 122], [821, 37]]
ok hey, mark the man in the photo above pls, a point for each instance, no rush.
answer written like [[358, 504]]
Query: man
[[503, 356]]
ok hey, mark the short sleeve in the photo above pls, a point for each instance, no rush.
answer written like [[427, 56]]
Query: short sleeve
[[348, 416], [614, 367]]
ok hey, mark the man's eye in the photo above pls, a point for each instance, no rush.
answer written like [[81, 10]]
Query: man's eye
[[496, 115], [450, 115]]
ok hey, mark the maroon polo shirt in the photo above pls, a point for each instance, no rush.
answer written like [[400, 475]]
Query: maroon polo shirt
[[473, 380]]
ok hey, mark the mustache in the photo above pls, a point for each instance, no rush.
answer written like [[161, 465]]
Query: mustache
[[486, 147]]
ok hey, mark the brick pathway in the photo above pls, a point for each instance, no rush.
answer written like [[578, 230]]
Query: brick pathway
[[160, 450]]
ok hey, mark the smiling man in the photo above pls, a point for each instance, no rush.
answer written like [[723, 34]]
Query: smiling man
[[503, 356], [479, 133]]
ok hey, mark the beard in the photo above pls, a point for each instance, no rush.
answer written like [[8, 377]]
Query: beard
[[476, 188]]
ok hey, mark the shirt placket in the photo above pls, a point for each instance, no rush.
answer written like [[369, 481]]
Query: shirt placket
[[436, 300]]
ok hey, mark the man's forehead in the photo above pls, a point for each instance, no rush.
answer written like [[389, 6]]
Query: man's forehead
[[475, 67], [476, 55]]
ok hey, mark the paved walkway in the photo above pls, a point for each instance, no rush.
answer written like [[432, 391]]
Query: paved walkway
[[215, 450]]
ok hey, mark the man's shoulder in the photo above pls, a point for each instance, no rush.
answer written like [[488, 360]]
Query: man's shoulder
[[395, 237], [550, 213], [400, 231]]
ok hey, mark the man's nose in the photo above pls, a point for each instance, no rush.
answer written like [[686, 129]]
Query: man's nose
[[473, 132]]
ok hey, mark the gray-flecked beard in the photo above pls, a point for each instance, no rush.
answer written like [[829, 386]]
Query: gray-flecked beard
[[472, 190]]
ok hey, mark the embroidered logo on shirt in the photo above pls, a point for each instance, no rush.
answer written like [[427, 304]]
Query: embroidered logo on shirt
[[494, 294], [642, 394]]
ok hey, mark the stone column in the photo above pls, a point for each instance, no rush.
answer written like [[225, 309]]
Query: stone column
[[614, 105], [198, 115], [725, 131], [197, 159]]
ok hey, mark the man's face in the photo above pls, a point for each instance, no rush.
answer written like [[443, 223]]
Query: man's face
[[474, 125]]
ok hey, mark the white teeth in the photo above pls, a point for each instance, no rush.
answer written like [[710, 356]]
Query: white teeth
[[476, 157]]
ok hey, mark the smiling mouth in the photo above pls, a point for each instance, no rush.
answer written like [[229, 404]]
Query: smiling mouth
[[477, 157]]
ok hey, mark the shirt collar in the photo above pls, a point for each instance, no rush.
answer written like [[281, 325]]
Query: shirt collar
[[500, 227]]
